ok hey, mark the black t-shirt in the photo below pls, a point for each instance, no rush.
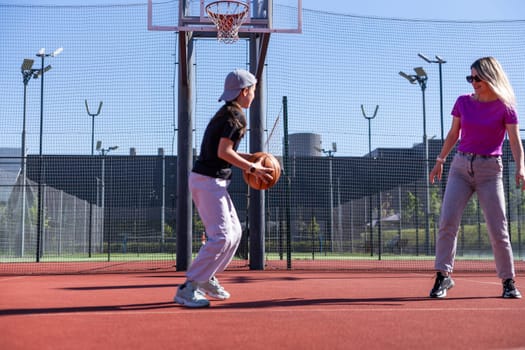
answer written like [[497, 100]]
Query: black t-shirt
[[229, 122]]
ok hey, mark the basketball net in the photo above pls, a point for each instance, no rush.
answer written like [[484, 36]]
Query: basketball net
[[228, 16]]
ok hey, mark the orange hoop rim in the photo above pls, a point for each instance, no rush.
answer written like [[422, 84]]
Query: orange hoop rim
[[228, 16]]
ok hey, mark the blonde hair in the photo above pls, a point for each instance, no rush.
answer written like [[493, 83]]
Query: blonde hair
[[491, 71]]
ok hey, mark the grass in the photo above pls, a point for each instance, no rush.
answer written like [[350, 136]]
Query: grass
[[120, 257], [93, 258]]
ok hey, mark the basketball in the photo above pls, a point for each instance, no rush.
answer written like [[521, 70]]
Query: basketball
[[268, 161]]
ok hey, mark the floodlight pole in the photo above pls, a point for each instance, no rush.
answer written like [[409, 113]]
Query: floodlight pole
[[370, 177], [421, 78], [330, 154], [27, 73], [440, 62], [103, 153], [369, 127], [92, 115], [40, 73]]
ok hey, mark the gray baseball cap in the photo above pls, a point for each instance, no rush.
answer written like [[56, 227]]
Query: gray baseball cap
[[236, 81]]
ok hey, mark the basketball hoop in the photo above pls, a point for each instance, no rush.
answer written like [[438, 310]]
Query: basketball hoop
[[228, 16]]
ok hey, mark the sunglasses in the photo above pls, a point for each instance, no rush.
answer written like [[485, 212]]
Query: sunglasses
[[471, 78]]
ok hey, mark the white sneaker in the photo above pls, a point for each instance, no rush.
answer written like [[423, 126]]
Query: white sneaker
[[188, 295], [214, 289]]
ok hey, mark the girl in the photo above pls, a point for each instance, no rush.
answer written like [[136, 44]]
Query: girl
[[481, 118]]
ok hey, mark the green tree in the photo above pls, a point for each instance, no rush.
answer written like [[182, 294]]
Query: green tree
[[313, 230], [412, 207]]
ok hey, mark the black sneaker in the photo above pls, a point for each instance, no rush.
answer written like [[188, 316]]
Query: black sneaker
[[442, 284], [509, 290]]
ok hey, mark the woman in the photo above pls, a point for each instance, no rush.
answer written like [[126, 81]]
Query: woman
[[208, 183], [481, 119]]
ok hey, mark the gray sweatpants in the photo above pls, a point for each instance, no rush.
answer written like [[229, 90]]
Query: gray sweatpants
[[469, 174], [222, 225]]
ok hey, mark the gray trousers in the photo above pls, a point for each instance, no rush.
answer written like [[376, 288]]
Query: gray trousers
[[469, 174], [222, 225]]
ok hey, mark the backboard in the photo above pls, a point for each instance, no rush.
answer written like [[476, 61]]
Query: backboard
[[265, 16]]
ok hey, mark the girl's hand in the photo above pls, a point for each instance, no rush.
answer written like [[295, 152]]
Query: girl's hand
[[436, 172], [520, 179]]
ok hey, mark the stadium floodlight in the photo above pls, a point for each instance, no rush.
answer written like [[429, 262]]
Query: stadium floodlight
[[57, 52], [42, 52], [420, 72], [105, 151], [437, 60], [412, 79], [40, 73], [440, 61], [424, 57], [421, 78], [27, 64]]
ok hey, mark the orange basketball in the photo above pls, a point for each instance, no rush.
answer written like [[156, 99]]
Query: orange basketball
[[268, 161]]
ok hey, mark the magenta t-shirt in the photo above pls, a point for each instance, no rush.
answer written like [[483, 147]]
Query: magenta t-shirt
[[482, 124]]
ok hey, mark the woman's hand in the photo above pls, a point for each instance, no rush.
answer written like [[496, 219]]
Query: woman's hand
[[437, 171]]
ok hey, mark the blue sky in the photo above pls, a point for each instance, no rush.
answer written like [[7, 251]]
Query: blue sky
[[77, 71], [443, 9], [437, 10]]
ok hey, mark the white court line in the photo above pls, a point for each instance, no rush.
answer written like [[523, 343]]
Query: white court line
[[479, 282], [496, 282], [11, 278]]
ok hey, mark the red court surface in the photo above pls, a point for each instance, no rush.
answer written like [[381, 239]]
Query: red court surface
[[267, 310]]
